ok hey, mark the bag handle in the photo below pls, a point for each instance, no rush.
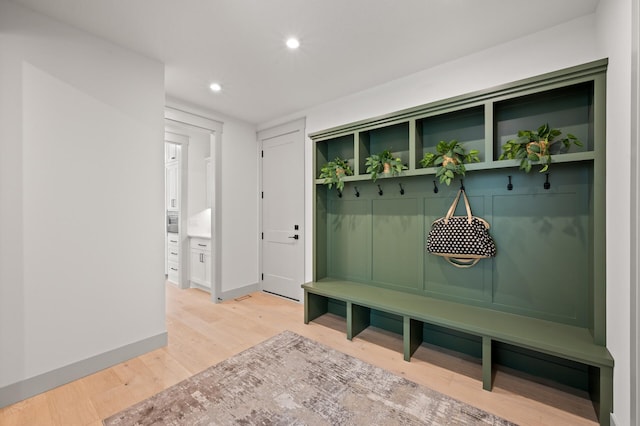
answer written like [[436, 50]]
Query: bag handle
[[461, 263], [452, 209]]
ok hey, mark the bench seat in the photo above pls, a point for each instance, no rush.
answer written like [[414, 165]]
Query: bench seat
[[560, 340]]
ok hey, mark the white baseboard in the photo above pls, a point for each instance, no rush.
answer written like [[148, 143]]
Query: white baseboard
[[238, 292], [30, 387], [199, 286]]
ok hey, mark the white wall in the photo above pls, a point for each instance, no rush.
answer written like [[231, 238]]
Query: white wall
[[614, 37], [569, 44], [240, 219], [81, 198], [635, 213]]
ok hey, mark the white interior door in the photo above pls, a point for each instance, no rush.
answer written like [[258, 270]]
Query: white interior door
[[283, 214]]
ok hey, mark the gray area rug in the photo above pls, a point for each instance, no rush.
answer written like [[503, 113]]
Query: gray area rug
[[291, 380]]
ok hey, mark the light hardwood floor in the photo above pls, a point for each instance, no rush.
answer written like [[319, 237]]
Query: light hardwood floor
[[202, 334]]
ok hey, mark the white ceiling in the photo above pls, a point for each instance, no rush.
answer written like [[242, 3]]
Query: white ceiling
[[347, 45]]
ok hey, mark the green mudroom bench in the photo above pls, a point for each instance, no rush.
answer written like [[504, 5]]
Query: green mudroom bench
[[559, 340]]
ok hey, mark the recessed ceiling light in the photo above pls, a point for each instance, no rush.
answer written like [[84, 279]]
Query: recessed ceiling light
[[215, 87], [293, 43]]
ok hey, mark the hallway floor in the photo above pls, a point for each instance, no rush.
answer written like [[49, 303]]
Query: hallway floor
[[202, 334]]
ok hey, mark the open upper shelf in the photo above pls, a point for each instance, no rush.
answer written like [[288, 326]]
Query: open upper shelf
[[567, 100]]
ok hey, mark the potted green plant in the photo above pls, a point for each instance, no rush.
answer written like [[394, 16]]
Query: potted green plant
[[384, 163], [536, 147], [334, 172], [449, 158]]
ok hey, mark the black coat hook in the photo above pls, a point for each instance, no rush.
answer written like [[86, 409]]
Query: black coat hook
[[435, 187], [356, 190], [339, 193], [401, 189], [510, 185], [547, 185], [379, 190]]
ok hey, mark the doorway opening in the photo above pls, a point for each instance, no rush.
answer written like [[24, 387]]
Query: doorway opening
[[195, 252]]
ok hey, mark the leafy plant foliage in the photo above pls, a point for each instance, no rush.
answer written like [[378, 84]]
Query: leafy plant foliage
[[376, 164], [450, 158], [334, 171], [535, 147]]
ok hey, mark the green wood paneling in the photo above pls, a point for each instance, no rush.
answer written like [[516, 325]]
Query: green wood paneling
[[441, 278], [358, 318], [342, 147], [395, 138], [550, 262], [337, 307], [458, 341], [543, 237], [320, 222], [314, 306], [397, 242], [387, 321], [569, 109], [349, 238], [598, 214], [549, 367], [487, 363], [466, 126], [542, 266], [412, 336]]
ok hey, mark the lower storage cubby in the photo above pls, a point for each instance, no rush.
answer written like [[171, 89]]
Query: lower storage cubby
[[545, 351], [546, 367]]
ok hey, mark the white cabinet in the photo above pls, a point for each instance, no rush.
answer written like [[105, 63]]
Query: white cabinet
[[172, 185], [198, 271], [173, 254], [173, 239], [200, 264], [173, 257], [172, 175], [173, 273]]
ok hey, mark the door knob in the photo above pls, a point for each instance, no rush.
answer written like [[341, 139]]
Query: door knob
[[295, 237]]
